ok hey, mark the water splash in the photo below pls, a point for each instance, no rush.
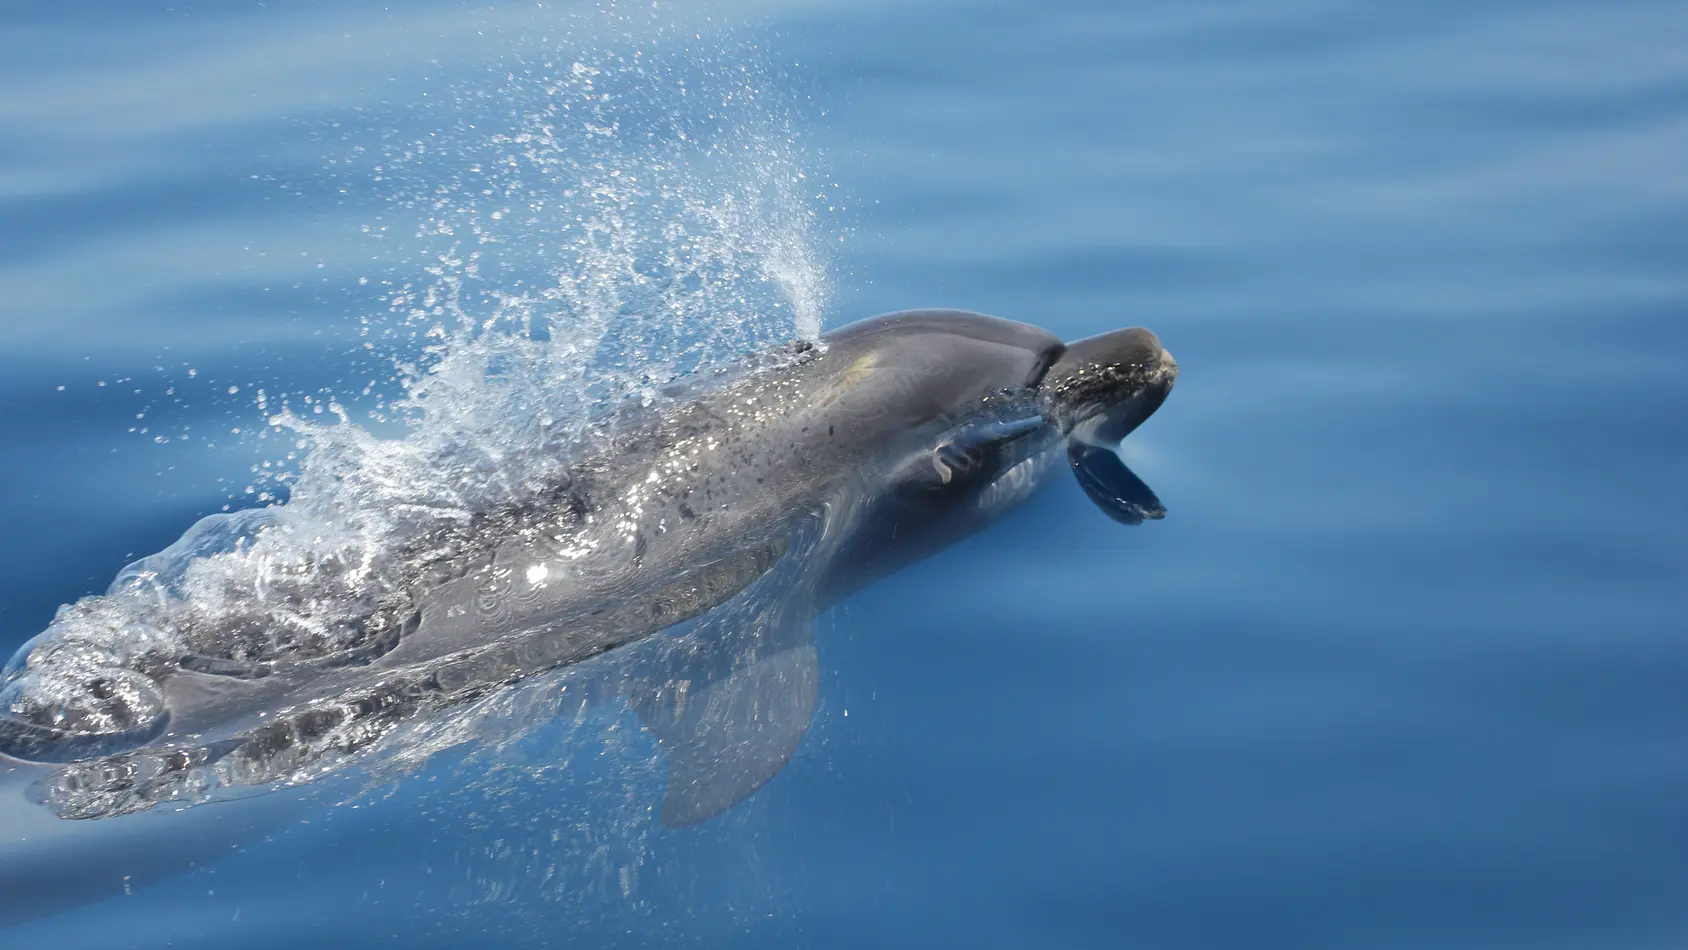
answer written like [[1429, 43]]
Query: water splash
[[590, 223], [595, 223]]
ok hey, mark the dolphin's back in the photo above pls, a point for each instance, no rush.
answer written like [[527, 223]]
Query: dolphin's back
[[673, 515], [725, 470]]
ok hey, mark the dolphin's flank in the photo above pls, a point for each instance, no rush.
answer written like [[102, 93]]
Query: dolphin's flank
[[741, 509]]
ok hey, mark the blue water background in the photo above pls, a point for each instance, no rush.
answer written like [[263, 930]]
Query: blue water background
[[1405, 666]]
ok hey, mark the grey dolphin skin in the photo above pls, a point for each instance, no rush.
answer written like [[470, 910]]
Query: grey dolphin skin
[[740, 508]]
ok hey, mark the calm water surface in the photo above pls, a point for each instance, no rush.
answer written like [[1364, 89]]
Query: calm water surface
[[1405, 666]]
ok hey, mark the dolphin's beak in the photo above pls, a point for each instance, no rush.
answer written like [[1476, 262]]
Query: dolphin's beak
[[1113, 423]]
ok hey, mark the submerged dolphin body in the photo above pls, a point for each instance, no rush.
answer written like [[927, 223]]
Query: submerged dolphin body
[[744, 507]]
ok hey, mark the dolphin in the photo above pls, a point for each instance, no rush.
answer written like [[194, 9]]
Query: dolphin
[[734, 510]]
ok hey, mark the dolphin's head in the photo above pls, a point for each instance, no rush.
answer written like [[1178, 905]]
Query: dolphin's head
[[1102, 387]]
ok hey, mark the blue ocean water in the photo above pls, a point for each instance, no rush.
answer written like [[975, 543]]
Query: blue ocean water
[[1402, 667]]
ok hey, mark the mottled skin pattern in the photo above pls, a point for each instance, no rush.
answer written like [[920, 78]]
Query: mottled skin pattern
[[890, 439], [821, 438]]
